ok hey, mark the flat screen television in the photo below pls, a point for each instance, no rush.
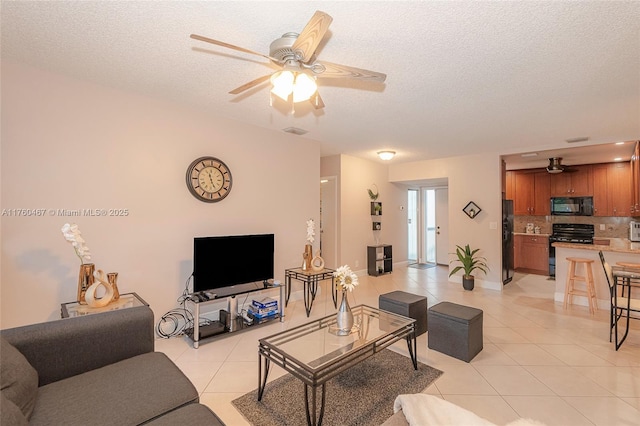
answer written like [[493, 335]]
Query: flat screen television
[[230, 260]]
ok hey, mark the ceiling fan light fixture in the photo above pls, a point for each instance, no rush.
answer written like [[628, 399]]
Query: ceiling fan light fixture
[[282, 82], [386, 155], [555, 166], [304, 87]]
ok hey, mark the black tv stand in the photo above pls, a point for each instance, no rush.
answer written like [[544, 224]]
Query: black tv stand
[[228, 323]]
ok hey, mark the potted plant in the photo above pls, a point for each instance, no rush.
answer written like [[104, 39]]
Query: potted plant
[[470, 261]]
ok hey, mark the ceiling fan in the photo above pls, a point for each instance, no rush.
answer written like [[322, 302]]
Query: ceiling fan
[[295, 53]]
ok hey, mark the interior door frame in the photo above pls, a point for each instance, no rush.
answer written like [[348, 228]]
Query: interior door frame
[[442, 225], [330, 256], [422, 226], [418, 225]]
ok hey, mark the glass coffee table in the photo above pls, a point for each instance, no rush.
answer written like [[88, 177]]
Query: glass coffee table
[[314, 353]]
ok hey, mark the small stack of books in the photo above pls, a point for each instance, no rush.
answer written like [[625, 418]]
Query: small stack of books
[[263, 309]]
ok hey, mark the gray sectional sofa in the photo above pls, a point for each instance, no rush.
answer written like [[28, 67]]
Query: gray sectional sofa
[[94, 370]]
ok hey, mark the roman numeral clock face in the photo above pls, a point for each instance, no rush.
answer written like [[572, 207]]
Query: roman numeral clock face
[[209, 179]]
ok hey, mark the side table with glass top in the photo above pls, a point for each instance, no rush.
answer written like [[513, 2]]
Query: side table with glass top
[[126, 300], [310, 280]]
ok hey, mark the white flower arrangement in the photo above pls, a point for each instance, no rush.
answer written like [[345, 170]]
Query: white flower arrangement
[[74, 236], [346, 279], [311, 232]]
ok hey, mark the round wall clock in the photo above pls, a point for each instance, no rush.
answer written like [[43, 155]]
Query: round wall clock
[[209, 179]]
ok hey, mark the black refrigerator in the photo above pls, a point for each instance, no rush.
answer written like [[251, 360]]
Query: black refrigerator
[[507, 241]]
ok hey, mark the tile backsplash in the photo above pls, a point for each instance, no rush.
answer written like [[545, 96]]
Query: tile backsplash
[[615, 227]]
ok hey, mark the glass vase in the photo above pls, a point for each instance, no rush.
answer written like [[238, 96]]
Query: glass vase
[[344, 320]]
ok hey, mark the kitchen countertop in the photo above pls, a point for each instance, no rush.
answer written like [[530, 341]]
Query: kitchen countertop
[[618, 245]]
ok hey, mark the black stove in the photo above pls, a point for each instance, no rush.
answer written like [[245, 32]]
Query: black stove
[[574, 233]]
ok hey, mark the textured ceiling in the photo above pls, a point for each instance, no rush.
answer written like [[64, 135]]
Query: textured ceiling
[[463, 77]]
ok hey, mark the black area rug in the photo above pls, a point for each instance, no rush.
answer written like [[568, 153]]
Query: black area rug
[[362, 395], [422, 265]]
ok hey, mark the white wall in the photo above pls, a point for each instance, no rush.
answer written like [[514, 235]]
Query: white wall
[[355, 176], [471, 178], [68, 144]]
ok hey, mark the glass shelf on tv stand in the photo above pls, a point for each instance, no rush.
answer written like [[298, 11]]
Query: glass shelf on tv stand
[[227, 324]]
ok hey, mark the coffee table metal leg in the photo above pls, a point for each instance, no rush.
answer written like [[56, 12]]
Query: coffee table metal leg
[[262, 379], [413, 348], [311, 411]]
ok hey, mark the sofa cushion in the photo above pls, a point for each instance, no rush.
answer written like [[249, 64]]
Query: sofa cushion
[[10, 414], [192, 414], [129, 392], [18, 379]]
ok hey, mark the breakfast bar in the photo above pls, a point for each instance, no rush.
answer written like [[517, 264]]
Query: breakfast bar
[[618, 250]]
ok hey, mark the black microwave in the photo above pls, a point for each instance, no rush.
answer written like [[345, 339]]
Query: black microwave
[[572, 206]]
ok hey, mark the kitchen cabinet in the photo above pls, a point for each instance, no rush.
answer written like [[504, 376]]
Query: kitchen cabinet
[[635, 179], [600, 190], [575, 181], [509, 185], [531, 254], [612, 189], [531, 193]]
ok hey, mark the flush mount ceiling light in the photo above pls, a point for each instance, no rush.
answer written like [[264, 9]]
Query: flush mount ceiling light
[[295, 131], [555, 166], [386, 155], [578, 139]]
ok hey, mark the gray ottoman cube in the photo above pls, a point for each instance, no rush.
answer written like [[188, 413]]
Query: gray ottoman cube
[[408, 305], [455, 330]]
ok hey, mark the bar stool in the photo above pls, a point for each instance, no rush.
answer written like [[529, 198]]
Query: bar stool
[[570, 289]]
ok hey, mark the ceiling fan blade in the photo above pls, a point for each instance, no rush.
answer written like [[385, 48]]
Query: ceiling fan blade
[[311, 35], [316, 101], [250, 84], [230, 46], [343, 71]]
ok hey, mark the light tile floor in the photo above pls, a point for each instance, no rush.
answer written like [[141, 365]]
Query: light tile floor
[[539, 360]]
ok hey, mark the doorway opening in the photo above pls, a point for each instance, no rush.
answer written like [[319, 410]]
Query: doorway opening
[[329, 221], [427, 227]]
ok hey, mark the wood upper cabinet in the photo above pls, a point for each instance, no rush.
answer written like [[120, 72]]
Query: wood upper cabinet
[[509, 185], [635, 181], [600, 190], [541, 205], [620, 200], [531, 193], [612, 185], [575, 181]]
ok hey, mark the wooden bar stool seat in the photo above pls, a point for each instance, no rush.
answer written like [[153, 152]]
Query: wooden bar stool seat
[[589, 291], [628, 264]]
